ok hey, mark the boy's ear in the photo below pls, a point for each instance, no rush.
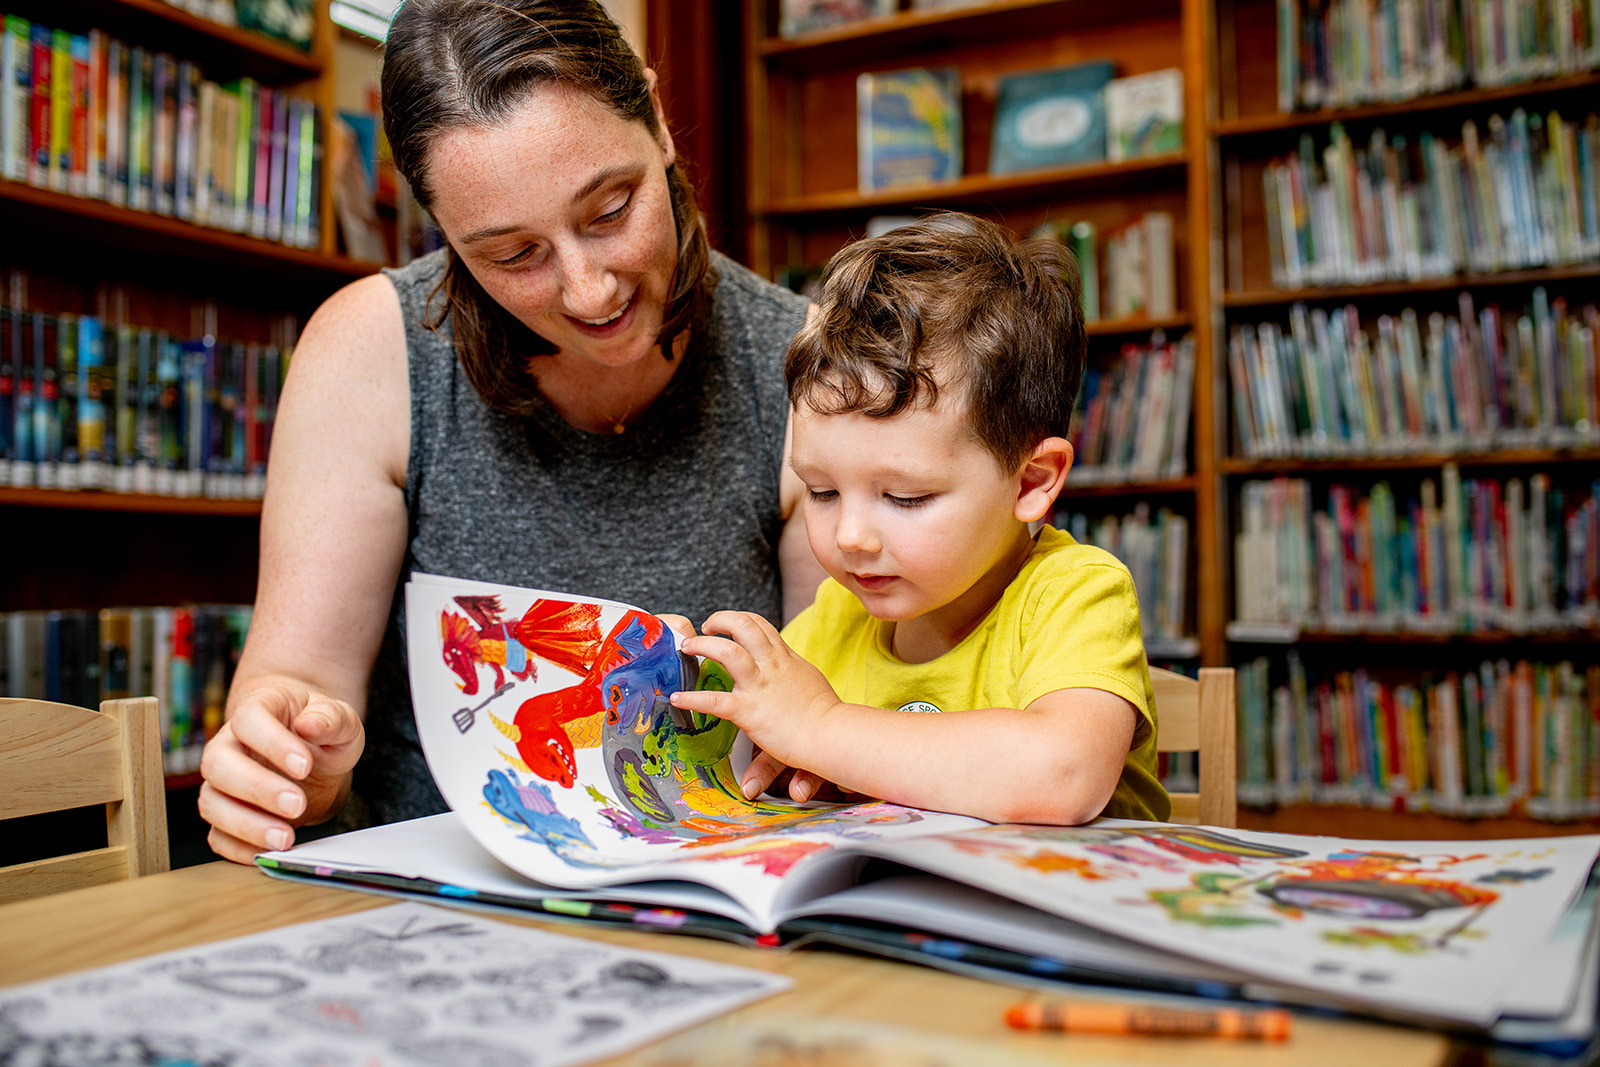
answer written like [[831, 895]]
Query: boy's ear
[[1041, 478]]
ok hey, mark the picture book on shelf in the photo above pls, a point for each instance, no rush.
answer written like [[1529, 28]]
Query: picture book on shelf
[[908, 127], [578, 790], [1144, 115], [1050, 118]]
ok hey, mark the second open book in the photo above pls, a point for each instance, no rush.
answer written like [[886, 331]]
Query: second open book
[[577, 789]]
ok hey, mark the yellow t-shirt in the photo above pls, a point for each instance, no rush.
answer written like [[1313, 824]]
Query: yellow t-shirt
[[1069, 620]]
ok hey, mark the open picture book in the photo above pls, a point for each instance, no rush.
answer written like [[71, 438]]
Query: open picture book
[[576, 789]]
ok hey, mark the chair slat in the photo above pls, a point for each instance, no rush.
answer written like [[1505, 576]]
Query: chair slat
[[60, 873], [68, 757]]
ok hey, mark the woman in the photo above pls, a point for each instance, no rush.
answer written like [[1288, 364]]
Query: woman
[[575, 394]]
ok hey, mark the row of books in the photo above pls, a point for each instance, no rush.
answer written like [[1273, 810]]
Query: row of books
[[1328, 384], [1136, 275], [184, 656], [1154, 546], [1455, 555], [293, 23], [1131, 423], [1507, 738], [127, 408], [909, 128], [89, 115], [1526, 194], [1342, 53]]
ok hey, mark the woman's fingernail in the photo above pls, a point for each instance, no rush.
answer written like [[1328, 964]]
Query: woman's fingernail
[[290, 803], [748, 788], [280, 839], [297, 764]]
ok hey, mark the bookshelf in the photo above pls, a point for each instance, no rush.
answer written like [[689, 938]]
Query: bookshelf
[[75, 255], [803, 202], [1405, 657]]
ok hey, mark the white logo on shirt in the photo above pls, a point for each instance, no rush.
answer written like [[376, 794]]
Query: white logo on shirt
[[922, 706]]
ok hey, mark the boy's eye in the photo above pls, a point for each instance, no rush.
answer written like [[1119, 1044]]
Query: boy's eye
[[822, 495], [909, 501]]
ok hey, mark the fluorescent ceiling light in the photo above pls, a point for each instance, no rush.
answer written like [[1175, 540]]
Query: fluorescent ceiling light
[[370, 18]]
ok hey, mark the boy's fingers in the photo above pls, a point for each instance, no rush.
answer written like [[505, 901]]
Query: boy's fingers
[[748, 629], [679, 625], [760, 775], [733, 656]]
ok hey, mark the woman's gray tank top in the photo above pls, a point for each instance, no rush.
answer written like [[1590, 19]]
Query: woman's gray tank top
[[678, 514]]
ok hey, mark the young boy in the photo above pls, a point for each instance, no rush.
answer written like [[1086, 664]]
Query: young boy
[[932, 391]]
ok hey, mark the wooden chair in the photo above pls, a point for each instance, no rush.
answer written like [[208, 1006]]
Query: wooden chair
[[54, 757], [1198, 716]]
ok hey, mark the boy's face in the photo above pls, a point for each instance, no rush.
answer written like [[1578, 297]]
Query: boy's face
[[909, 513]]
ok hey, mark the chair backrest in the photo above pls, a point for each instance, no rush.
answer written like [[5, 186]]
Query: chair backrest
[[54, 757], [1198, 716]]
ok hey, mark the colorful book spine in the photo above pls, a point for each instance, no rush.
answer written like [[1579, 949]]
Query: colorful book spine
[[59, 160], [16, 97], [39, 113]]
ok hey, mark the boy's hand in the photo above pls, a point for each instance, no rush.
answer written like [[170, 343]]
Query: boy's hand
[[778, 698]]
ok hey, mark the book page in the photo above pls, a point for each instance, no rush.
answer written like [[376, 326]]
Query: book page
[[1436, 929], [407, 983], [546, 725]]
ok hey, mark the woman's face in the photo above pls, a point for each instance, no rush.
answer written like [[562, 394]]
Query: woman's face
[[562, 214]]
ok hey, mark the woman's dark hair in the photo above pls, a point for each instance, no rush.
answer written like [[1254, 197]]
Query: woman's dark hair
[[450, 64]]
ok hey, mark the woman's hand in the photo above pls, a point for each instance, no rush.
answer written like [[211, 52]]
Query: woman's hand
[[283, 759]]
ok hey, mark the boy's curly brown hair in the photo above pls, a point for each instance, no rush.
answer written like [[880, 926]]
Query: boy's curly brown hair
[[949, 302]]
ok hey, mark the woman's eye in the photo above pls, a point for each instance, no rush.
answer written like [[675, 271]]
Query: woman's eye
[[520, 257], [909, 501], [617, 213]]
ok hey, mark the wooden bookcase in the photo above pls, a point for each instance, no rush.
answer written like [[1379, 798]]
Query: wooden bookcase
[[802, 204], [91, 549]]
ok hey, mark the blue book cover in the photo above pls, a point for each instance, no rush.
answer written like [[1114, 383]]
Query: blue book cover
[[1051, 118], [908, 127]]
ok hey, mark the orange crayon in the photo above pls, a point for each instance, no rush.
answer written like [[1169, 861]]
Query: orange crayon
[[1269, 1025]]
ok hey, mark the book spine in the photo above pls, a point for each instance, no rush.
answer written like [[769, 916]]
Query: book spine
[[184, 178], [67, 393], [59, 155], [261, 160], [39, 117]]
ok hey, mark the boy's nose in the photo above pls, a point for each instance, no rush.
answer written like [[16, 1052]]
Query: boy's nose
[[855, 533]]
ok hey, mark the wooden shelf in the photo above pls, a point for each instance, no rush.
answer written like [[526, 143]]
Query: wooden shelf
[[23, 205], [224, 52], [1330, 293], [1164, 487], [1258, 125], [985, 188], [1126, 327], [1420, 461], [100, 500], [1415, 638], [869, 39], [1386, 825]]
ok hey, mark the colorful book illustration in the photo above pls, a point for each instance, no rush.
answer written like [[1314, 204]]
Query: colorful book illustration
[[1144, 115], [1050, 118], [908, 127], [545, 722], [400, 984]]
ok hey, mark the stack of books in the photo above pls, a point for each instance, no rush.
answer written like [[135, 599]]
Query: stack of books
[[1456, 556], [1132, 419], [1348, 52], [1509, 738], [131, 409], [1330, 384], [184, 656], [89, 115], [1521, 194]]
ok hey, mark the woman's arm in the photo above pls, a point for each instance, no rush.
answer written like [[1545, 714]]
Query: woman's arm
[[333, 534]]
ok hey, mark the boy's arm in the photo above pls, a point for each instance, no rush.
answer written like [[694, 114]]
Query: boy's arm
[[1057, 761]]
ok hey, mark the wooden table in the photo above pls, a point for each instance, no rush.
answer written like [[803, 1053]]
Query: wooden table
[[107, 924]]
